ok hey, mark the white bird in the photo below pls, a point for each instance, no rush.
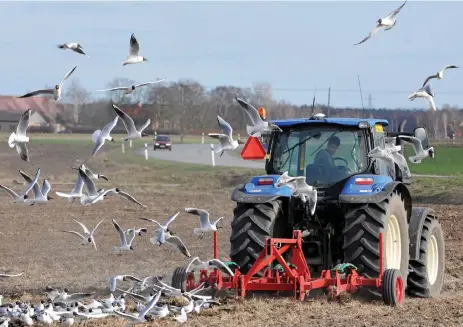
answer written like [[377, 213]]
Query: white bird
[[125, 241], [389, 158], [225, 138], [113, 280], [301, 189], [56, 92], [387, 23], [87, 238], [164, 226], [425, 93], [130, 89], [182, 317], [4, 322], [92, 195], [19, 139], [90, 173], [66, 321], [188, 307], [99, 137], [73, 46], [420, 153], [132, 132], [11, 275], [133, 57], [439, 74], [65, 297], [170, 238], [117, 191], [258, 124], [76, 190], [40, 194], [197, 264], [140, 318], [23, 197], [204, 222]]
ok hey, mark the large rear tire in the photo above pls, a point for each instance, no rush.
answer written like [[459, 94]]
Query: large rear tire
[[251, 225], [427, 272], [363, 223]]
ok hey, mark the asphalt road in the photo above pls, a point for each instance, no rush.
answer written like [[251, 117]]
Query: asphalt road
[[201, 154]]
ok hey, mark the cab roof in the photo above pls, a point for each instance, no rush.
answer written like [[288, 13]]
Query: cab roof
[[331, 121]]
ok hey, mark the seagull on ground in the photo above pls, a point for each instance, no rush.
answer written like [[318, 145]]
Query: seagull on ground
[[99, 137], [141, 317], [258, 124], [439, 74], [425, 93], [19, 139], [113, 280], [40, 194], [87, 238], [197, 264], [204, 222], [301, 189], [125, 241], [23, 197], [182, 317], [56, 92], [133, 57], [132, 132], [73, 46], [225, 138], [420, 153], [130, 89], [387, 23]]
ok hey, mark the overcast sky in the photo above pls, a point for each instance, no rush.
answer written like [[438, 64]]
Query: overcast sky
[[296, 46]]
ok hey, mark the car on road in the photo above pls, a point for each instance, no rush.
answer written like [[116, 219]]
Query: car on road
[[162, 142]]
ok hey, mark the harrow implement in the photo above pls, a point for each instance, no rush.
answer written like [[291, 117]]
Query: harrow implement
[[293, 275]]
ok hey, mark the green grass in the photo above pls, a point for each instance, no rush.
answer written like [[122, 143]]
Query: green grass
[[447, 161]]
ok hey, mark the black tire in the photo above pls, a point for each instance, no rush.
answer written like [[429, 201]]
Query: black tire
[[392, 287], [251, 225], [363, 223], [418, 282], [179, 278]]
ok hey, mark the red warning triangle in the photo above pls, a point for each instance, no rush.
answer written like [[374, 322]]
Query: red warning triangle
[[253, 149]]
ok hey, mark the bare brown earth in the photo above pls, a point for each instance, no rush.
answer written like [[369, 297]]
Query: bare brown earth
[[31, 241]]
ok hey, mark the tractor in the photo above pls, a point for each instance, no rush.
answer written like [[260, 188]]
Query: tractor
[[357, 199]]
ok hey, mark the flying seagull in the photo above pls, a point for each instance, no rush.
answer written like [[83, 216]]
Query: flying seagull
[[425, 93], [130, 89], [167, 236], [125, 241], [387, 23], [197, 264], [133, 57], [132, 132], [258, 124], [76, 190], [226, 140], [204, 222], [300, 188], [87, 237], [389, 157], [439, 74], [90, 173], [420, 153], [74, 46], [23, 196], [56, 92], [99, 137], [40, 194], [19, 139]]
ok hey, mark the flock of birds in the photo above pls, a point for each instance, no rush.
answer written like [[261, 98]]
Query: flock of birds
[[425, 91]]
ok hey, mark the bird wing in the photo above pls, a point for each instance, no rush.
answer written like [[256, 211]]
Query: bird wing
[[10, 191], [22, 150], [399, 159], [416, 143], [114, 89], [448, 66], [78, 186], [373, 32], [145, 125], [428, 78], [129, 197], [430, 101], [126, 120], [203, 215], [86, 231], [79, 50], [94, 229], [31, 94], [177, 243], [150, 304], [67, 76], [147, 83], [221, 266], [35, 186], [89, 184], [153, 221], [121, 233], [75, 233], [193, 263], [134, 46], [46, 187], [32, 183], [109, 127], [225, 127], [7, 275], [395, 12], [23, 123], [99, 143], [172, 218], [251, 111]]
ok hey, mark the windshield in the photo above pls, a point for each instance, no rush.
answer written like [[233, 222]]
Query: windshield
[[325, 155], [162, 138]]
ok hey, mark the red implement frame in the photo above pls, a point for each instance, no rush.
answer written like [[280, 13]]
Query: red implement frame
[[297, 280]]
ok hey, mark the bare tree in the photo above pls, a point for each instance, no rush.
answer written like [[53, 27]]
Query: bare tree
[[79, 98]]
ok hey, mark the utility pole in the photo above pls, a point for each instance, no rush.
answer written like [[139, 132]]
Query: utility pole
[[329, 99], [369, 101]]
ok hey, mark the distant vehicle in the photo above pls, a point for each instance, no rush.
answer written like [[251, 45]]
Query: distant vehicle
[[162, 142]]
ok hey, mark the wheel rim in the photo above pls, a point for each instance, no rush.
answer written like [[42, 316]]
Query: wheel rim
[[393, 244], [432, 260], [399, 289]]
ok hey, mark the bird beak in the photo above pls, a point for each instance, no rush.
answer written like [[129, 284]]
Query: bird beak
[[144, 59]]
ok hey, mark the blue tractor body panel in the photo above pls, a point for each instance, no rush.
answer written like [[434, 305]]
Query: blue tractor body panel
[[379, 182], [266, 190], [351, 122]]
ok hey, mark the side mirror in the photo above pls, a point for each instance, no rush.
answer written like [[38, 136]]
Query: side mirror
[[421, 134]]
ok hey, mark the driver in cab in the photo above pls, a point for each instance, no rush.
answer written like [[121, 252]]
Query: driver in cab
[[324, 157]]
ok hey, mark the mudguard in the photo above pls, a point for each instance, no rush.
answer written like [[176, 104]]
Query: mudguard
[[415, 228], [260, 189]]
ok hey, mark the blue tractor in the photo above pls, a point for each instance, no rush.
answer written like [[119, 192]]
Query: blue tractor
[[357, 199]]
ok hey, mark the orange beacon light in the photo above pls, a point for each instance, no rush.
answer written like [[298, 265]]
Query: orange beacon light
[[262, 113]]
